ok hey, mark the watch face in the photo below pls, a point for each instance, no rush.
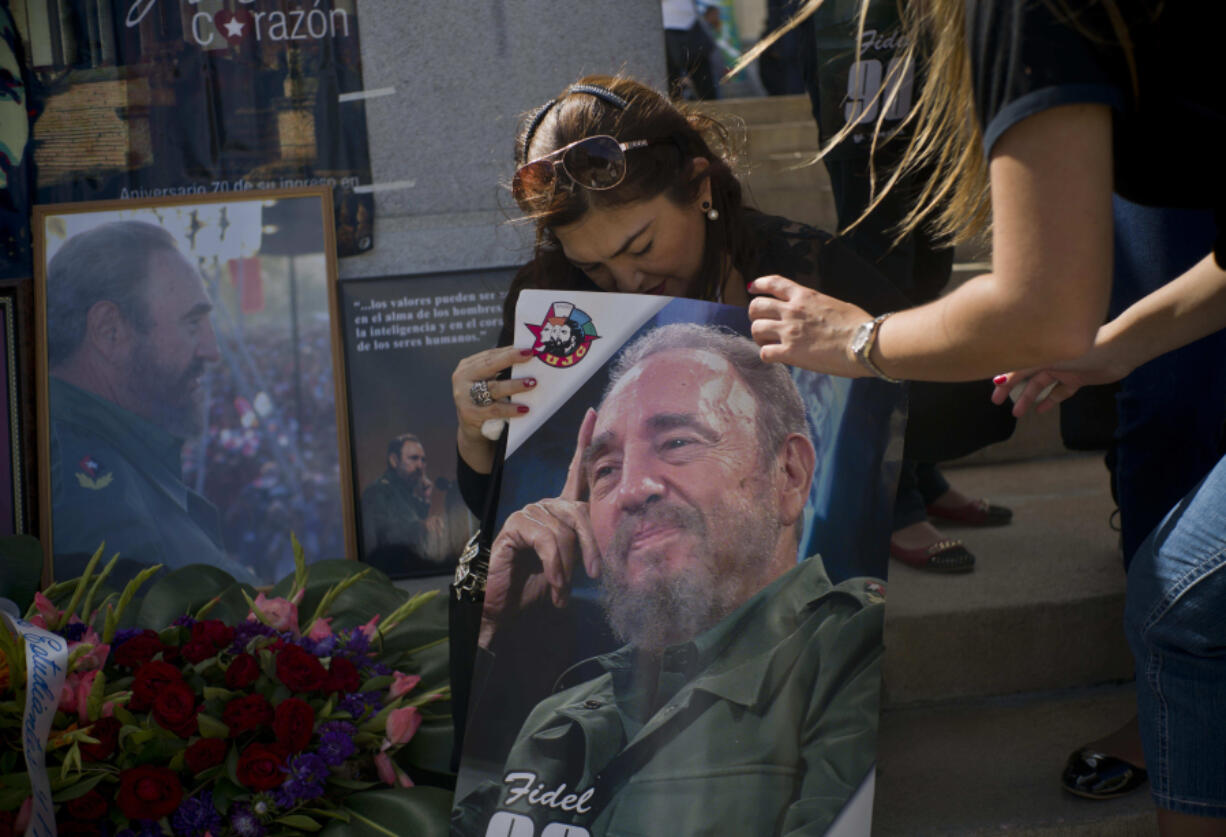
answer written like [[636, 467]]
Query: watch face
[[860, 339]]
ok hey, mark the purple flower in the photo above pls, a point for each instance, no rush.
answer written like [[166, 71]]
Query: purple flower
[[244, 632], [123, 635], [73, 631], [245, 823], [336, 742], [357, 704], [357, 643], [307, 775], [184, 622], [195, 816]]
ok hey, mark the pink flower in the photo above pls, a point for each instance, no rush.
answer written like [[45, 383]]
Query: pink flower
[[369, 628], [281, 614], [322, 629], [401, 684], [96, 657], [49, 612], [74, 697], [390, 773], [23, 815], [402, 724]]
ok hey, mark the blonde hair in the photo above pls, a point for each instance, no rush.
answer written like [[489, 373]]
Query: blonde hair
[[946, 143]]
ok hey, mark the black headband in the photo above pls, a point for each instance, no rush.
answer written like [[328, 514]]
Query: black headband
[[601, 93]]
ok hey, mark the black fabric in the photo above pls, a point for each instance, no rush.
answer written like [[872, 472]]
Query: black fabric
[[1029, 55]]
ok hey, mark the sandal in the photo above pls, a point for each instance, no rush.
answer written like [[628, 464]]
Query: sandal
[[1094, 775], [974, 513], [945, 556]]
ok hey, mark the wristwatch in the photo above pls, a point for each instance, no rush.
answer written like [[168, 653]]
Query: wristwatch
[[862, 341]]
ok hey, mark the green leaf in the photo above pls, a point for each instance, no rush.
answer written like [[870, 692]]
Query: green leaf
[[210, 727], [225, 791], [351, 784], [232, 766], [82, 583], [181, 591], [299, 821], [430, 749], [420, 811]]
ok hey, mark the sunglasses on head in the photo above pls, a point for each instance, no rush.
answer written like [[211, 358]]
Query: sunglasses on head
[[595, 163]]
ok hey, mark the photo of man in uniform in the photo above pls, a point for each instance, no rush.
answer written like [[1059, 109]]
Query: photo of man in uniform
[[129, 339], [744, 698], [401, 524]]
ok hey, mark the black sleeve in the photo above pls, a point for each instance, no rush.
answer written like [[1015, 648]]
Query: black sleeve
[[842, 274], [474, 485], [1025, 58]]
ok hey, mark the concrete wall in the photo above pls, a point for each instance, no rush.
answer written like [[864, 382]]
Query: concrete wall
[[463, 72]]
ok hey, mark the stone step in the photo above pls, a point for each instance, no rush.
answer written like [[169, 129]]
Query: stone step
[[761, 109], [765, 140], [1043, 608], [989, 767]]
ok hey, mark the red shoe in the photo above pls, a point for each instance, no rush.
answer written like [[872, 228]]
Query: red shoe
[[974, 513], [945, 556]]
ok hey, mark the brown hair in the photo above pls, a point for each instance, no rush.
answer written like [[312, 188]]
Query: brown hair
[[664, 167]]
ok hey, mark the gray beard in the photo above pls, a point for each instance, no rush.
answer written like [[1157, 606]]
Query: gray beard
[[667, 610], [171, 404]]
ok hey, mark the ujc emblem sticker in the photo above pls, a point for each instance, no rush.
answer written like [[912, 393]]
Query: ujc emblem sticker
[[563, 337]]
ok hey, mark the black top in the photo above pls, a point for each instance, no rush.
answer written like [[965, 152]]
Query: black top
[[788, 248], [1028, 56]]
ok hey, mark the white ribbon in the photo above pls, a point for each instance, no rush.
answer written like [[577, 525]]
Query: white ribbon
[[46, 668]]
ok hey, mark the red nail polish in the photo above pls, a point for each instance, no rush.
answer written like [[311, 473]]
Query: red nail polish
[[522, 408], [526, 352], [529, 382], [1000, 379]]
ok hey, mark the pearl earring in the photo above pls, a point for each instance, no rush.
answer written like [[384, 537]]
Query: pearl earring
[[712, 212]]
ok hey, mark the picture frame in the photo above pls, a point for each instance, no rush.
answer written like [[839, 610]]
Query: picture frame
[[14, 511], [198, 420], [412, 329]]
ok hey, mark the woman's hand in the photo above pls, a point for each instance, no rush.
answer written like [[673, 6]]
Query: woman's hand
[[1044, 388], [475, 448], [804, 328]]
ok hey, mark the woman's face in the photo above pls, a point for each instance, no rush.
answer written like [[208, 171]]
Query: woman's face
[[652, 246]]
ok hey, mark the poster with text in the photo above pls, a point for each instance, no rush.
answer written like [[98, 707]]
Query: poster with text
[[403, 338], [190, 384], [137, 99], [683, 614]]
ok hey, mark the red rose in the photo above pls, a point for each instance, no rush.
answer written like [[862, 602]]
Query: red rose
[[90, 806], [175, 708], [301, 671], [138, 650], [343, 676], [214, 632], [106, 730], [243, 671], [246, 713], [204, 753], [260, 768], [294, 724], [150, 679], [148, 792], [198, 651]]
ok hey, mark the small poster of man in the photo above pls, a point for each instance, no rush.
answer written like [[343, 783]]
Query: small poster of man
[[683, 614], [189, 384], [403, 337]]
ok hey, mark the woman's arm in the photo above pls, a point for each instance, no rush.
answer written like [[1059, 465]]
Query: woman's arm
[[1186, 309], [1051, 178]]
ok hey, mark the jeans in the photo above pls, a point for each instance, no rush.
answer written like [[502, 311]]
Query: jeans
[[1175, 617], [919, 483], [1170, 416]]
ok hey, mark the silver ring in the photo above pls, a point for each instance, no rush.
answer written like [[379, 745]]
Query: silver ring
[[479, 392]]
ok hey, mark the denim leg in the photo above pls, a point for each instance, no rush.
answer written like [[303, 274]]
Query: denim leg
[[1175, 618], [1170, 424], [930, 481], [908, 503]]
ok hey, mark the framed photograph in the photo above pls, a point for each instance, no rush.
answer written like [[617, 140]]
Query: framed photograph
[[191, 384], [12, 495], [683, 613], [404, 336]]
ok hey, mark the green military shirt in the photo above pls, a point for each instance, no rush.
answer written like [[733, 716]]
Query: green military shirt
[[394, 533], [764, 724], [116, 477]]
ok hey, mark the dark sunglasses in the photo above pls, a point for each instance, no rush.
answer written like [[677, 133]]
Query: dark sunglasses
[[596, 163]]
